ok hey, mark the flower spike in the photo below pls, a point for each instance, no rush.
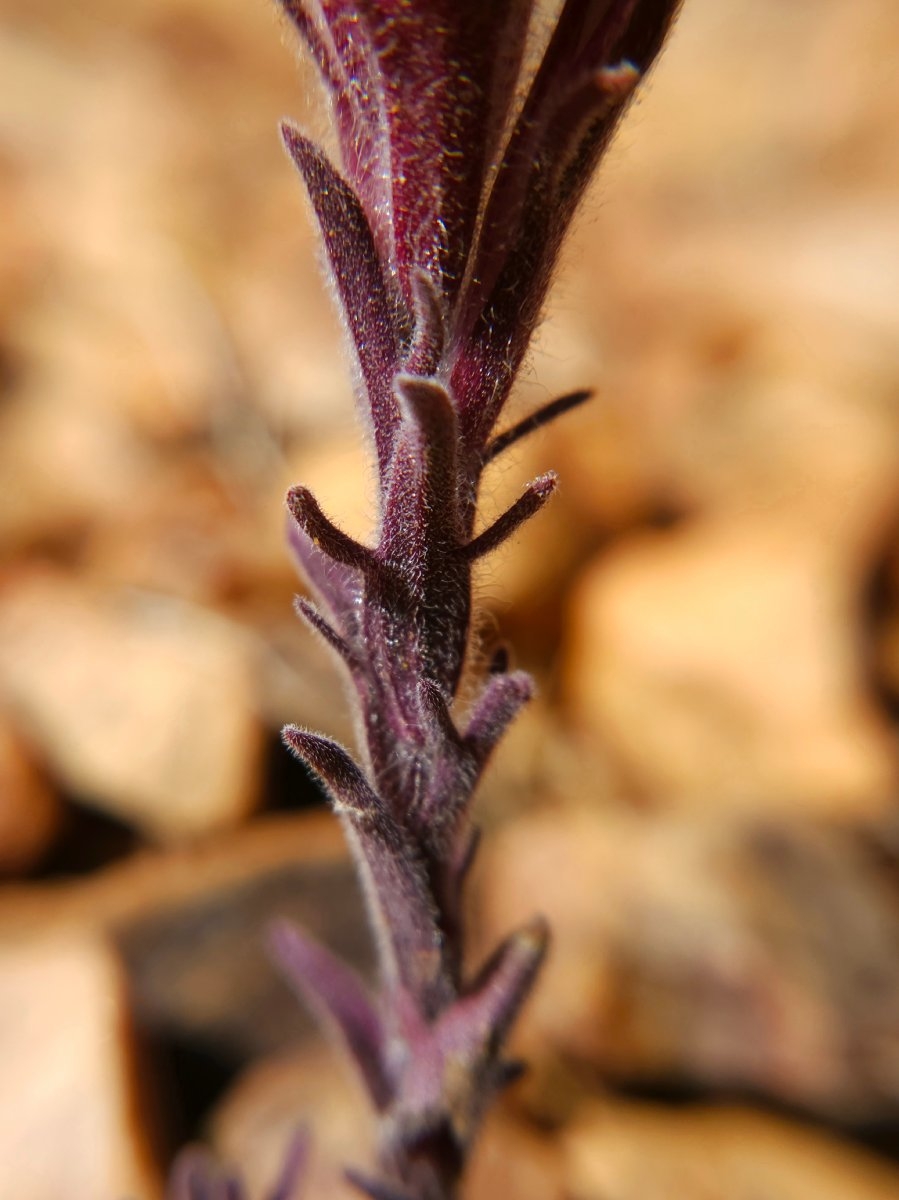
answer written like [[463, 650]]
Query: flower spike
[[456, 174], [442, 215]]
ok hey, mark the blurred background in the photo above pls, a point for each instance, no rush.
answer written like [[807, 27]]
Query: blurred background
[[704, 798]]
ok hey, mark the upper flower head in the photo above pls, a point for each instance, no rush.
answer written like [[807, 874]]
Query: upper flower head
[[459, 175]]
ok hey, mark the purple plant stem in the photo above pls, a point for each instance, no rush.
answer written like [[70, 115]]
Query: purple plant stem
[[441, 225]]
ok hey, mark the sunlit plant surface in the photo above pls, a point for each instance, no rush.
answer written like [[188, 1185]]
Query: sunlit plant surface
[[442, 222]]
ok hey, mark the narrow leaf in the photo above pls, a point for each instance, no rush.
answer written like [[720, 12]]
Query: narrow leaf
[[462, 760], [335, 586], [342, 49], [399, 899], [369, 309], [338, 997], [308, 18], [422, 529], [500, 702], [483, 1016], [427, 404], [589, 69], [313, 618], [530, 502], [305, 510], [350, 791], [536, 420], [438, 62]]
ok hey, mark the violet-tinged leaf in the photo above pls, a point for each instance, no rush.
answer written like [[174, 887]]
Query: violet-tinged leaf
[[585, 34], [593, 59], [402, 544], [370, 310], [305, 510], [551, 157], [350, 791], [341, 48], [438, 62], [422, 528], [463, 759], [426, 403], [536, 420], [387, 690], [313, 618], [399, 900], [585, 118], [308, 17], [480, 1020], [453, 1066], [457, 855], [529, 151], [563, 148], [498, 705], [644, 32], [433, 475], [420, 514], [450, 782], [528, 503], [335, 586], [338, 998]]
